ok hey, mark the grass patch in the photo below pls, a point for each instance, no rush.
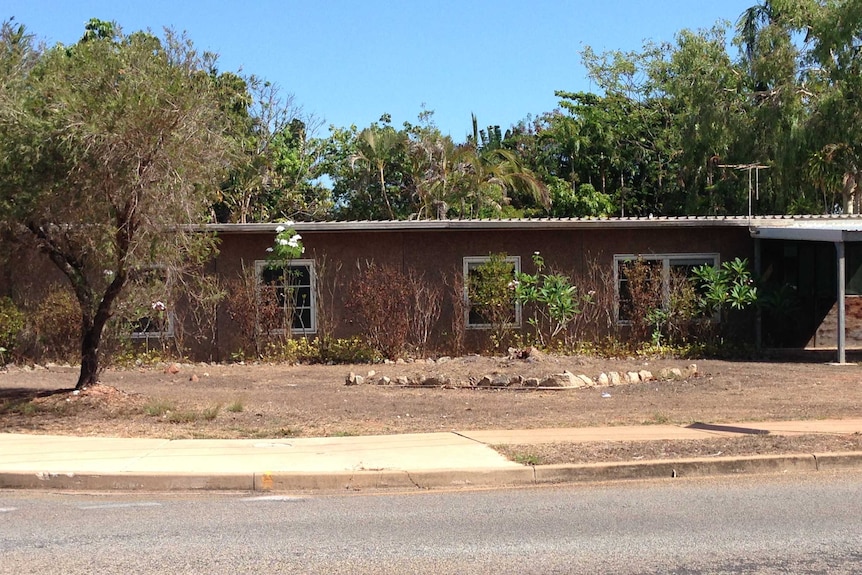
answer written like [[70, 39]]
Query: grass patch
[[158, 407], [343, 434], [210, 413], [235, 407], [183, 416], [658, 419], [21, 407], [525, 458]]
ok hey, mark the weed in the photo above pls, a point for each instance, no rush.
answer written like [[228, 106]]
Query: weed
[[235, 407], [526, 459], [183, 416], [210, 413], [158, 407], [21, 407], [658, 419]]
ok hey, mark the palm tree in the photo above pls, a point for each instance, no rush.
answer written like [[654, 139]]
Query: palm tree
[[376, 148]]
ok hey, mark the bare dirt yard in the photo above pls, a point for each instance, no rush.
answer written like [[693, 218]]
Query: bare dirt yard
[[270, 401]]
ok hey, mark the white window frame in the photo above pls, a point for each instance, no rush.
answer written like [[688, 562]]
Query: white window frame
[[475, 261], [169, 317], [667, 261], [261, 265]]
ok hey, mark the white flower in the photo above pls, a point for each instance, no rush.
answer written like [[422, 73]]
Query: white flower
[[288, 223], [297, 237], [283, 242], [513, 285], [159, 306], [536, 253], [269, 249], [279, 229], [108, 273]]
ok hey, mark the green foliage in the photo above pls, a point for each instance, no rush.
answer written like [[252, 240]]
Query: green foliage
[[11, 324], [105, 145], [728, 287], [491, 293], [583, 203], [556, 302]]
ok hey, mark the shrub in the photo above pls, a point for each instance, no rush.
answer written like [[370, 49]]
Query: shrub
[[381, 301], [555, 301], [11, 324], [255, 310], [491, 292], [57, 321]]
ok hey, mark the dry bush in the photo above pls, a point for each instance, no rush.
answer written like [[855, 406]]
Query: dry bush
[[57, 323], [455, 285], [256, 311], [381, 300], [425, 311]]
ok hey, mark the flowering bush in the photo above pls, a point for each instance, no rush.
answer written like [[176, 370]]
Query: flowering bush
[[287, 245]]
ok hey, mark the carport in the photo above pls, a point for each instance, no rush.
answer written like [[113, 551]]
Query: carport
[[837, 230]]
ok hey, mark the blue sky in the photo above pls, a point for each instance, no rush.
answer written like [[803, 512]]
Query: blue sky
[[348, 62]]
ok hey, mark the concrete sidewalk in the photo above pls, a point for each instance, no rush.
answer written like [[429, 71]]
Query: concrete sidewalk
[[427, 460]]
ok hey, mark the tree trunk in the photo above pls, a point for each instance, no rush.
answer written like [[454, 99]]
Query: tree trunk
[[91, 330], [89, 359], [848, 192]]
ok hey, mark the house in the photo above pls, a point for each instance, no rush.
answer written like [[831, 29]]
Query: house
[[802, 259]]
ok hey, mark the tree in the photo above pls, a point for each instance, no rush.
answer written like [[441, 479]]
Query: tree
[[109, 151], [272, 177]]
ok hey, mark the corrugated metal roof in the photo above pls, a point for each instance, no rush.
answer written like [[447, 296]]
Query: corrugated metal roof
[[549, 223]]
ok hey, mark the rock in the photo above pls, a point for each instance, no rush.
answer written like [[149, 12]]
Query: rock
[[528, 353], [565, 379], [604, 379], [444, 359], [371, 373], [353, 379], [645, 375], [615, 377], [173, 368], [516, 380], [402, 380], [632, 377], [691, 371], [433, 381], [531, 382], [384, 381], [400, 361], [500, 381], [673, 373], [485, 381], [194, 377], [587, 381]]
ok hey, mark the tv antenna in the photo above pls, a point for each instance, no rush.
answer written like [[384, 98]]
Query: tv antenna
[[749, 168]]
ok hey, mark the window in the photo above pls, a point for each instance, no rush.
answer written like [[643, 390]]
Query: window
[[507, 312], [149, 288], [651, 277], [290, 289]]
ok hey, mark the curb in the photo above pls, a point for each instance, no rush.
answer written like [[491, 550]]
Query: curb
[[435, 479]]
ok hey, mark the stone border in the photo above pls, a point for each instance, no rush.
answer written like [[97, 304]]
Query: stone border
[[564, 380]]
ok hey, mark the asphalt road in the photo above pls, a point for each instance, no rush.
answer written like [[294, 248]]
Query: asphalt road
[[810, 524]]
